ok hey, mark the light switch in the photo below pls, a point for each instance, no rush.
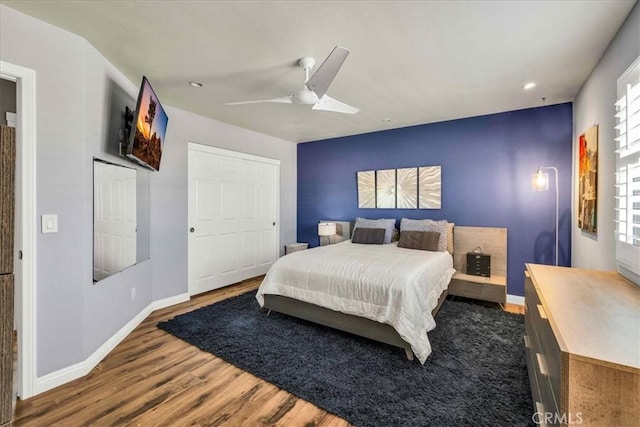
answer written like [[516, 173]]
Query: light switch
[[49, 223]]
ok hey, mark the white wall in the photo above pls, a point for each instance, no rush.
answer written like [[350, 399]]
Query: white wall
[[78, 94], [594, 104]]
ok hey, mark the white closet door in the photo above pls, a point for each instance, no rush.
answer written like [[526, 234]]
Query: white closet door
[[233, 216]]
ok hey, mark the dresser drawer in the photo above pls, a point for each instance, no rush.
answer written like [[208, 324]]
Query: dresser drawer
[[547, 397], [545, 354], [533, 379], [550, 350], [530, 307], [530, 295], [541, 394], [530, 330]]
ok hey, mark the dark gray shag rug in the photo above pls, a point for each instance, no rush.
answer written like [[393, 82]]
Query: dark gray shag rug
[[476, 374]]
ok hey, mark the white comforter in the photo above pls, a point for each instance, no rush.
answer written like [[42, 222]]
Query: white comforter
[[384, 283]]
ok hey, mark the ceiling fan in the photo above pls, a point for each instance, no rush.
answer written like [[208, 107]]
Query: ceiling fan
[[314, 89]]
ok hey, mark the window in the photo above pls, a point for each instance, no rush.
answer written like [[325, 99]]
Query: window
[[628, 173]]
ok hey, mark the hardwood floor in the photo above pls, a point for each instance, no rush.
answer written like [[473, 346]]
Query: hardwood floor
[[154, 379], [514, 308]]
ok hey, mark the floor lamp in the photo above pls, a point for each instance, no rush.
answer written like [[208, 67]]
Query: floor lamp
[[540, 182]]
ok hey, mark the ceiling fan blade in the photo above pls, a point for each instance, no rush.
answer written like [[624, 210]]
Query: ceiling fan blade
[[284, 100], [328, 103], [325, 74]]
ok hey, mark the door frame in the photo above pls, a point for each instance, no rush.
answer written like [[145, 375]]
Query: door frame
[[25, 80], [194, 146]]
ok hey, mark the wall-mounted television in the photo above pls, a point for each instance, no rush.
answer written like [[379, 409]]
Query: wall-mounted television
[[146, 139]]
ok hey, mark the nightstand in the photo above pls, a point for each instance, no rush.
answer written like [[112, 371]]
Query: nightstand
[[492, 241], [295, 247], [492, 288]]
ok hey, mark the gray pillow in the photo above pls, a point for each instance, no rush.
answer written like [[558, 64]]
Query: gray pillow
[[421, 240], [387, 224], [368, 236], [427, 225]]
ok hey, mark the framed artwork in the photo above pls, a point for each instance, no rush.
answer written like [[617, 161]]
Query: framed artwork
[[588, 180], [430, 187], [404, 188], [386, 189], [407, 188], [367, 189]]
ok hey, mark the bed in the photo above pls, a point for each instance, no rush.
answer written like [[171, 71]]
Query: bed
[[382, 292]]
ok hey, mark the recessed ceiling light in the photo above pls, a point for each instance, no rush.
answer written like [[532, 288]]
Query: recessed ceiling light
[[195, 84], [529, 85]]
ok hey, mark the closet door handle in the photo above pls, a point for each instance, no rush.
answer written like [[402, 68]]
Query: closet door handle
[[192, 229]]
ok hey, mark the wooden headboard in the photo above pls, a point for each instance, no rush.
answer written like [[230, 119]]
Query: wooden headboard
[[492, 240]]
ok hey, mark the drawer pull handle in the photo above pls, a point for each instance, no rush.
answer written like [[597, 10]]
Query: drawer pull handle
[[543, 314], [542, 366], [526, 342], [541, 414]]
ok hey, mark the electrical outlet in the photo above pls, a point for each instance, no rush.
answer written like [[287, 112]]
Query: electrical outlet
[[133, 294]]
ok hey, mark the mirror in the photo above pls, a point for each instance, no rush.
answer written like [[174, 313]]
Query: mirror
[[120, 218]]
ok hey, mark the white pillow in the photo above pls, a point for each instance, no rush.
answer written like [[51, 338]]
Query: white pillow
[[427, 225], [387, 224]]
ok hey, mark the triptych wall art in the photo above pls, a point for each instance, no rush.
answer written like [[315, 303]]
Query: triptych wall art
[[406, 188]]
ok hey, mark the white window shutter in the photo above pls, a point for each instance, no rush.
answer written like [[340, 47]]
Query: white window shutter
[[627, 140]]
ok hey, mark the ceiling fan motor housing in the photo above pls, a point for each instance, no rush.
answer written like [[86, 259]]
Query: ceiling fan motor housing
[[306, 63], [305, 97]]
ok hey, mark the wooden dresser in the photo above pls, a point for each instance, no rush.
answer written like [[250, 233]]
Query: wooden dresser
[[582, 345]]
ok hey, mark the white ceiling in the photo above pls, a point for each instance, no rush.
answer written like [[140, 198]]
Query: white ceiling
[[411, 62]]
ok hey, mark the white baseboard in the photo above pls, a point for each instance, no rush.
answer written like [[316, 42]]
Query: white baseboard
[[515, 299], [80, 369], [59, 377], [167, 302]]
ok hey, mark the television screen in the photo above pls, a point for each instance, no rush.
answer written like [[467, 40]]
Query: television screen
[[149, 128]]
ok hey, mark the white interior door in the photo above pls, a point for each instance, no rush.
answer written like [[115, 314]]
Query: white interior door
[[233, 216], [114, 243]]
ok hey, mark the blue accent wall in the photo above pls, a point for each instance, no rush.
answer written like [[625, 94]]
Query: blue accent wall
[[487, 164]]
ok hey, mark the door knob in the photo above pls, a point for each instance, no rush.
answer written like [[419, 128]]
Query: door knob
[[192, 229], [274, 223]]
